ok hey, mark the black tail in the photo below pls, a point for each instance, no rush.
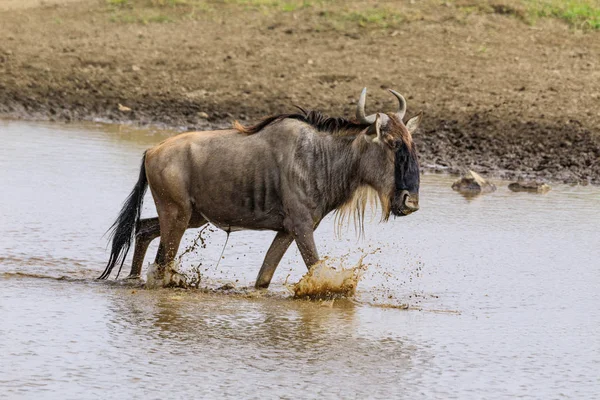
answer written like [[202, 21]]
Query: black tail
[[122, 231]]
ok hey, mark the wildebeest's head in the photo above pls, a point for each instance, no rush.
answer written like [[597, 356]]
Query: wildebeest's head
[[392, 155]]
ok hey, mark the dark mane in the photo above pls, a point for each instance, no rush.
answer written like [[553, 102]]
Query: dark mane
[[316, 119]]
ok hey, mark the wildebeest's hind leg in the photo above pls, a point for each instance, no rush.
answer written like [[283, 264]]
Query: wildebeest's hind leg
[[174, 220], [278, 248], [147, 230]]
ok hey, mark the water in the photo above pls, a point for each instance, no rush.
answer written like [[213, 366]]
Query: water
[[501, 290]]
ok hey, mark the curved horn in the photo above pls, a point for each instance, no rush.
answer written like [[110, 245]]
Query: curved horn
[[360, 109], [401, 105]]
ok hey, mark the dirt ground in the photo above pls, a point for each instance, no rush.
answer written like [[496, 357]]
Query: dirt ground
[[500, 96]]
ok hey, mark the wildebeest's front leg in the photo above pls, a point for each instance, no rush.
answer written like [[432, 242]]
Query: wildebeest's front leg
[[307, 247], [278, 248], [303, 235]]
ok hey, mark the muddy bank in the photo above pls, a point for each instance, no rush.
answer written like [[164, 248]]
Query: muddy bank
[[568, 152], [500, 97]]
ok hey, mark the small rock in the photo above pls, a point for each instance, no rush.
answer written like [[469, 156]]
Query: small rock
[[310, 62], [227, 286], [566, 143], [124, 108], [529, 186], [472, 182], [135, 68], [202, 115]]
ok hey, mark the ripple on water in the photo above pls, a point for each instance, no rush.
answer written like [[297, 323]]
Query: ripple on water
[[501, 293]]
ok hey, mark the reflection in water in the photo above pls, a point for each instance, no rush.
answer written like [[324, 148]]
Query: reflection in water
[[519, 273], [470, 196], [227, 319], [290, 339]]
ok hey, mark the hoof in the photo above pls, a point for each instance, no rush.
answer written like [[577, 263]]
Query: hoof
[[261, 286], [165, 276]]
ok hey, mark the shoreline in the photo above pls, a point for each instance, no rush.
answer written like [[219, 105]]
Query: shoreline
[[428, 144], [499, 96]]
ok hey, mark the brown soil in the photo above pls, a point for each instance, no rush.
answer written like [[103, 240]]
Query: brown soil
[[500, 97]]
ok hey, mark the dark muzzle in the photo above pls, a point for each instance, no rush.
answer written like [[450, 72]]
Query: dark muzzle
[[409, 203]]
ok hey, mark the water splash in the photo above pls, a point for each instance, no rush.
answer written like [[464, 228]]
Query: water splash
[[323, 281], [165, 276]]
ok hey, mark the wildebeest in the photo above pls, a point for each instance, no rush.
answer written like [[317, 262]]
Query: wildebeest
[[284, 174]]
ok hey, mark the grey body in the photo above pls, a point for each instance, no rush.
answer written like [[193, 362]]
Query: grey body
[[239, 181], [286, 177], [260, 181]]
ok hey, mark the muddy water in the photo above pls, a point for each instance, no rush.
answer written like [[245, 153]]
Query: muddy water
[[502, 293]]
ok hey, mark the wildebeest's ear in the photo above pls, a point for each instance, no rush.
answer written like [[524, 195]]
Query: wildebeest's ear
[[374, 131], [414, 122]]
